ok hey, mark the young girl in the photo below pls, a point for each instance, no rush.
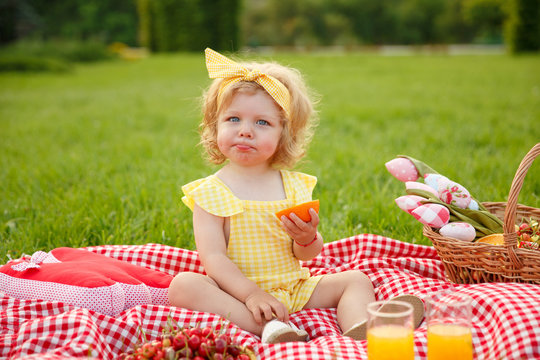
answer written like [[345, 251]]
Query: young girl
[[258, 119]]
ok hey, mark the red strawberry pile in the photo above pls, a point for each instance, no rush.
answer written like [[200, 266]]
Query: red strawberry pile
[[529, 234], [193, 343]]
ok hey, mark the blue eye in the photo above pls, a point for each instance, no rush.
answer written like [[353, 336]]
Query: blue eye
[[262, 122], [234, 119]]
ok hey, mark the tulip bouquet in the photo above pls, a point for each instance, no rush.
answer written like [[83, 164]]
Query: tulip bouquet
[[438, 202]]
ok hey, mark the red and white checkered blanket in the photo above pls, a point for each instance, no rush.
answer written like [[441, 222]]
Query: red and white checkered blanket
[[506, 317]]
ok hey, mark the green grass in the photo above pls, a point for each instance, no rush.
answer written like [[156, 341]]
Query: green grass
[[98, 155]]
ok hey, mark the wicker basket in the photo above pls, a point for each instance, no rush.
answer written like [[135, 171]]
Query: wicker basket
[[473, 263]]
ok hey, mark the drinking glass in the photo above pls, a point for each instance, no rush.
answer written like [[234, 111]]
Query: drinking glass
[[449, 335], [390, 331]]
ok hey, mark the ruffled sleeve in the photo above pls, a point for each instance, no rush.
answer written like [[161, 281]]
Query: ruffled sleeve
[[212, 196], [301, 185]]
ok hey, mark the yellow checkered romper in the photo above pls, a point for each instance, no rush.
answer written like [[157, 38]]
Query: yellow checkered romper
[[257, 244]]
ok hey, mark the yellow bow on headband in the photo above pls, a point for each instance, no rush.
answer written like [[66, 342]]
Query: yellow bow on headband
[[221, 67]]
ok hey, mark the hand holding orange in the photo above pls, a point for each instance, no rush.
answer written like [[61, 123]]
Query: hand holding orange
[[301, 210]]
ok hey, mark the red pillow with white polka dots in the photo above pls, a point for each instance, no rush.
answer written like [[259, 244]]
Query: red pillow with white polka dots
[[85, 279]]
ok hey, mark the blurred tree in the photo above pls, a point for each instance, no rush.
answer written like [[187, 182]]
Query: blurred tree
[[72, 20], [145, 30], [522, 29], [8, 21], [189, 25], [416, 21], [17, 20], [226, 35], [192, 25], [338, 30], [103, 20], [488, 16], [372, 22], [347, 22], [451, 25]]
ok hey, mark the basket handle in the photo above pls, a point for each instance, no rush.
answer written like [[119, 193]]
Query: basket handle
[[509, 228]]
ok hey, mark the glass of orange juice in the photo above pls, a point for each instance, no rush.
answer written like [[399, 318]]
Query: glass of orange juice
[[449, 333], [390, 331]]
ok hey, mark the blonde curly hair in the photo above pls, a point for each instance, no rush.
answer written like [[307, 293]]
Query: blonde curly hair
[[298, 127]]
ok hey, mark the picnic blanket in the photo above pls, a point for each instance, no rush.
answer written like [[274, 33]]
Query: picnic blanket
[[506, 316]]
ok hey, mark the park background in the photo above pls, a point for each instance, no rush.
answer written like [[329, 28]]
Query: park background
[[99, 107]]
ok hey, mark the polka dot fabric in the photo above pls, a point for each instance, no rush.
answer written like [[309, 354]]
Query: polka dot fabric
[[402, 169], [84, 279], [506, 316]]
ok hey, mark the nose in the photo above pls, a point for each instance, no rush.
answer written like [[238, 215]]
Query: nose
[[246, 130]]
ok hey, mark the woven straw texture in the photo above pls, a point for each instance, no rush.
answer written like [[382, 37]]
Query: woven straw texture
[[473, 263]]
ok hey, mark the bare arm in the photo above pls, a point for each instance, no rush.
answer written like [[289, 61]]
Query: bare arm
[[212, 249], [304, 233]]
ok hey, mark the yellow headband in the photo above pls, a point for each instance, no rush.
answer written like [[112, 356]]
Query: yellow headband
[[221, 67]]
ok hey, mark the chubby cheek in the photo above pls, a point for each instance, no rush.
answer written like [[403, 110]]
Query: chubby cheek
[[221, 138], [268, 148], [272, 142]]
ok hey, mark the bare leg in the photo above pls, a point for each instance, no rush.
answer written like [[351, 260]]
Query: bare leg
[[349, 292], [200, 293]]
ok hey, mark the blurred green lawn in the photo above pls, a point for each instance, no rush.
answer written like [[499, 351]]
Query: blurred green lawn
[[98, 155]]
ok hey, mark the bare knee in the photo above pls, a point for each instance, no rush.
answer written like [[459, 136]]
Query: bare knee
[[358, 278], [332, 288], [183, 289]]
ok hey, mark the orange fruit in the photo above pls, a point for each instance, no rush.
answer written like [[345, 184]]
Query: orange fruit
[[301, 210], [493, 239]]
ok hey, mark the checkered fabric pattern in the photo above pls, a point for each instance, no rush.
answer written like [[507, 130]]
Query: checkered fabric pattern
[[409, 202], [506, 316], [433, 215], [221, 67], [258, 245]]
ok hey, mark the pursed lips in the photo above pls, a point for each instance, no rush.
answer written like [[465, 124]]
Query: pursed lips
[[243, 147]]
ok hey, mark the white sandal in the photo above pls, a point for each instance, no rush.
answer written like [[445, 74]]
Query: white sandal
[[276, 331], [359, 331]]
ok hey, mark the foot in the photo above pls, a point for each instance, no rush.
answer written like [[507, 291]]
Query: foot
[[359, 330], [417, 305], [276, 331]]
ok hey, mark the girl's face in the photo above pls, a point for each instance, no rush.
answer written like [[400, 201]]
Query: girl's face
[[249, 129]]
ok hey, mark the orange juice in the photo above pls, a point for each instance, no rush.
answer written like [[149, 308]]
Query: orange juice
[[449, 342], [390, 342]]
